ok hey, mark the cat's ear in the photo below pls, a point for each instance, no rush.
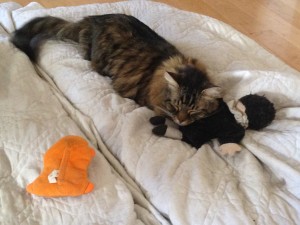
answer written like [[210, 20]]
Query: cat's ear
[[173, 85], [213, 92]]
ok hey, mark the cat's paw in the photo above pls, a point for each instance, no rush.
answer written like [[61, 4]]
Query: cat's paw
[[230, 149]]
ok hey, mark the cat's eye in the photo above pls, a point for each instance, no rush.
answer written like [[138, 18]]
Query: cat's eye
[[172, 108], [177, 108], [198, 114], [193, 112]]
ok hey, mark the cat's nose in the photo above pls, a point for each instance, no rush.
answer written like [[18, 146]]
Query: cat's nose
[[183, 123], [182, 118]]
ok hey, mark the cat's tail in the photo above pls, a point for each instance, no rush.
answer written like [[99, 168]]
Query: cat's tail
[[30, 36]]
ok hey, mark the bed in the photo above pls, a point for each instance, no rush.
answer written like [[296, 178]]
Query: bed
[[141, 178]]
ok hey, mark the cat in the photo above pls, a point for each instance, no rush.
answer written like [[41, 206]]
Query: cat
[[143, 66]]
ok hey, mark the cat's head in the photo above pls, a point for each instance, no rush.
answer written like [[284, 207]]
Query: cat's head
[[189, 96]]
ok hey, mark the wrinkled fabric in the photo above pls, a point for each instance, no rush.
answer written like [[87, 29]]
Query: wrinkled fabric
[[259, 185]]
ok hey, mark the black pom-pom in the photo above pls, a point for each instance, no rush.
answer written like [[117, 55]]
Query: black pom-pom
[[260, 111], [160, 130], [157, 120]]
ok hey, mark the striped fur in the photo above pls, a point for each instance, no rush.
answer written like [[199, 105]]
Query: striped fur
[[136, 58]]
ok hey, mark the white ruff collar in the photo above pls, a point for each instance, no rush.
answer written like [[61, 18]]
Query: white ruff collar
[[239, 111]]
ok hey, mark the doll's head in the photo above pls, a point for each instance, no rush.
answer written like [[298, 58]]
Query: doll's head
[[260, 111]]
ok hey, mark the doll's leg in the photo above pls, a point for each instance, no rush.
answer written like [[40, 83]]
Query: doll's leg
[[164, 127], [167, 131], [157, 120], [160, 120]]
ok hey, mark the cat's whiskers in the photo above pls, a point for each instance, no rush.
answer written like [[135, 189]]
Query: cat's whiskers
[[165, 111]]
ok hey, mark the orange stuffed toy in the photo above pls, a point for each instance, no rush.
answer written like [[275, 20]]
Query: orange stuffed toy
[[65, 169]]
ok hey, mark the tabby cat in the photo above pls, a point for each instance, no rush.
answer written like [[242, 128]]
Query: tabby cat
[[143, 66]]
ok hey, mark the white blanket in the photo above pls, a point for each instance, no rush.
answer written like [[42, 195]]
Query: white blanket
[[260, 185], [32, 120]]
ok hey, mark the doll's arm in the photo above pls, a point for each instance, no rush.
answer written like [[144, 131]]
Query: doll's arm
[[229, 142], [166, 128], [230, 148]]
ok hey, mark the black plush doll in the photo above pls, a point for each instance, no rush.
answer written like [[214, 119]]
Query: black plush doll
[[227, 124]]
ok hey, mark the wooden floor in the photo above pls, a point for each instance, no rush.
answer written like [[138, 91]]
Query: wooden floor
[[274, 24]]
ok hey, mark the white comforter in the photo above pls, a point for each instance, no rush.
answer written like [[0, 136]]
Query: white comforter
[[260, 185], [32, 119]]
